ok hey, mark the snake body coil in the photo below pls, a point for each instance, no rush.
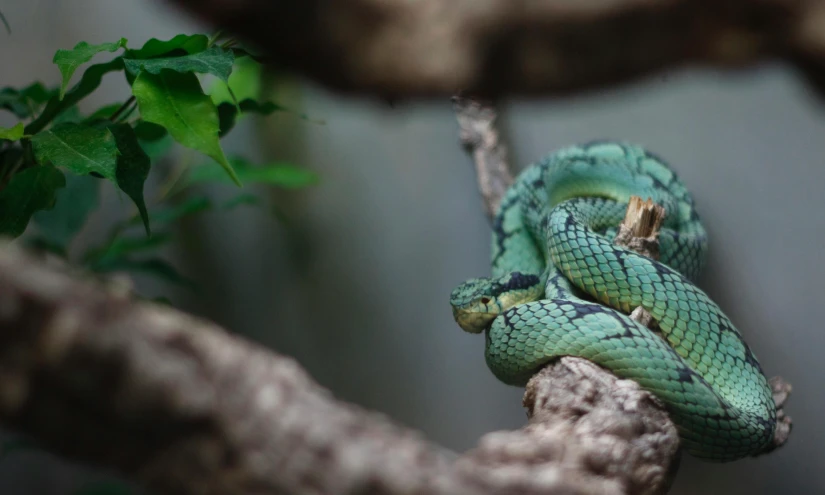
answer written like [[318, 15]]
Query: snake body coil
[[553, 256]]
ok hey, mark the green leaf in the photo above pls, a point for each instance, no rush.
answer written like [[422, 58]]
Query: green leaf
[[12, 133], [112, 152], [58, 226], [128, 245], [69, 116], [147, 131], [162, 300], [25, 102], [186, 43], [132, 168], [152, 266], [176, 212], [262, 108], [228, 112], [37, 93], [88, 83], [69, 60], [171, 214], [176, 101], [80, 148], [11, 100], [215, 61], [276, 174], [241, 199], [30, 190], [9, 158], [121, 247], [244, 83]]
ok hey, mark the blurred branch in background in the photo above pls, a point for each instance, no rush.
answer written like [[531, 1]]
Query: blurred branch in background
[[481, 138], [399, 48]]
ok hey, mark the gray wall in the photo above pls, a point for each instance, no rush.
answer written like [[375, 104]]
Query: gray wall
[[357, 289]]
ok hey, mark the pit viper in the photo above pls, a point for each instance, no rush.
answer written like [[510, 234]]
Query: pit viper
[[561, 287]]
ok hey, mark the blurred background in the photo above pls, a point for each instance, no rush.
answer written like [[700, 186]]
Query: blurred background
[[354, 281]]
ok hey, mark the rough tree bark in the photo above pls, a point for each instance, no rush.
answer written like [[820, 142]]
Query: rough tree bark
[[180, 406], [401, 48]]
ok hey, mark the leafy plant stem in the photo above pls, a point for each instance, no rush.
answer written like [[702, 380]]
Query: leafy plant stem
[[126, 104], [215, 37], [127, 114]]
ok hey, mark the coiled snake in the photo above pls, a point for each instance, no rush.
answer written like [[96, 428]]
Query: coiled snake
[[553, 255]]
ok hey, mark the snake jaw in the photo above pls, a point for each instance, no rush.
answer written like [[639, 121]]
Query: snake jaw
[[473, 321], [475, 305]]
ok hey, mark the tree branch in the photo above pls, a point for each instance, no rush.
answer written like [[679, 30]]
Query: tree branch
[[480, 138], [400, 48], [181, 407]]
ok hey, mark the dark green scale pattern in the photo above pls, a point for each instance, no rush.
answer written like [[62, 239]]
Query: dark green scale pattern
[[556, 225]]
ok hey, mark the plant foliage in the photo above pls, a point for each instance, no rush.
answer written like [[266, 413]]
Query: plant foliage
[[54, 161]]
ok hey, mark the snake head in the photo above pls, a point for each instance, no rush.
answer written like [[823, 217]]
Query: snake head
[[475, 306], [478, 301]]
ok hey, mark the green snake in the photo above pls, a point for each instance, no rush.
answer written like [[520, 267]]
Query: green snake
[[561, 287]]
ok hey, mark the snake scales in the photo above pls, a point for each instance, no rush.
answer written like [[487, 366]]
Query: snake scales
[[553, 255]]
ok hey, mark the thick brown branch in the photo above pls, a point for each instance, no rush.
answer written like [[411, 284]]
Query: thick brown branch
[[492, 47], [180, 406]]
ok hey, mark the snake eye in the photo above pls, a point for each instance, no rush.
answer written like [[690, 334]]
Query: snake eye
[[485, 300]]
